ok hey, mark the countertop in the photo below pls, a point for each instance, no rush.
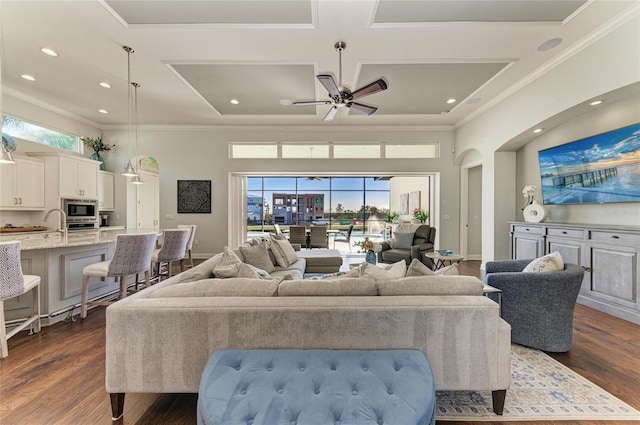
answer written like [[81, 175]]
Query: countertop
[[52, 240]]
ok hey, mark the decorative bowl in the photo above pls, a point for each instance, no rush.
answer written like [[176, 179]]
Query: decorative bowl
[[444, 252]]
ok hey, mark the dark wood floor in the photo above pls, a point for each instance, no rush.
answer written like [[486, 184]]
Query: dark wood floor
[[57, 376]]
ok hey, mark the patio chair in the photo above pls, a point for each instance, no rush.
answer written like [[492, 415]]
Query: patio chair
[[344, 237], [318, 237], [298, 234]]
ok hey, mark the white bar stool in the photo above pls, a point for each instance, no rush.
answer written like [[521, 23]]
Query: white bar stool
[[13, 284], [132, 255]]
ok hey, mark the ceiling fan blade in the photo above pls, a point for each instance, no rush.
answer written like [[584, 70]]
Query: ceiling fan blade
[[332, 113], [365, 109], [330, 84], [312, 103], [369, 89]]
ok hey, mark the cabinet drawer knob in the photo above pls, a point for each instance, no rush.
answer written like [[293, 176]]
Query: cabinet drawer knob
[[564, 233], [615, 236]]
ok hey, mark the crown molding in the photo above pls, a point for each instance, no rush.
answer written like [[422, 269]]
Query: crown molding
[[287, 129]]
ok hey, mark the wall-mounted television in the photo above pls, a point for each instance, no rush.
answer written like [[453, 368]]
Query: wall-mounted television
[[598, 169]]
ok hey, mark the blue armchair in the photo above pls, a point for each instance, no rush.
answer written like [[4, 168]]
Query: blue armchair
[[538, 305]]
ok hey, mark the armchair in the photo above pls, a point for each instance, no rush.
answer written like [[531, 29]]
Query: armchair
[[538, 305], [423, 240]]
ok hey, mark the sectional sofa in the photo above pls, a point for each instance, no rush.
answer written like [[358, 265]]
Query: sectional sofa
[[159, 340]]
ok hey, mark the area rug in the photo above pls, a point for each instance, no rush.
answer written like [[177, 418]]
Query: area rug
[[541, 389]]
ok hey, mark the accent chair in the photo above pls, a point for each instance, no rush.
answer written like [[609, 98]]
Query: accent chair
[[398, 249]]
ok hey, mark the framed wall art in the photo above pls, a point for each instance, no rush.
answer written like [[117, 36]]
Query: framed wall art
[[194, 196], [404, 204]]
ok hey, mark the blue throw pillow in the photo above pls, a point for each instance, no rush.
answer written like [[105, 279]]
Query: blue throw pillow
[[403, 240]]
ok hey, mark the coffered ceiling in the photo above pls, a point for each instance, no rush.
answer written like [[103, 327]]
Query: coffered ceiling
[[193, 57]]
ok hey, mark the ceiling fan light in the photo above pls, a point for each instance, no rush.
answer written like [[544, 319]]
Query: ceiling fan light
[[137, 179]]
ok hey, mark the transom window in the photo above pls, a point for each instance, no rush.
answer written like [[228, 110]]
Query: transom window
[[34, 133]]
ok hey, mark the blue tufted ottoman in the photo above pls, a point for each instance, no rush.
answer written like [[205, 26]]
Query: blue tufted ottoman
[[317, 387]]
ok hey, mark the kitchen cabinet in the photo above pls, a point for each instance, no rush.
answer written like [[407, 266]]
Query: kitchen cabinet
[[78, 178], [22, 185], [148, 201], [610, 256], [106, 193], [526, 241]]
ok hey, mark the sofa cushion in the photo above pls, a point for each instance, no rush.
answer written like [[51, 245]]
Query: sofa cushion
[[234, 287], [549, 263], [402, 240], [258, 255], [203, 270], [393, 271], [431, 285], [284, 252], [328, 287]]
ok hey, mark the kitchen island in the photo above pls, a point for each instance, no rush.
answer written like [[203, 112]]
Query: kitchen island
[[59, 260]]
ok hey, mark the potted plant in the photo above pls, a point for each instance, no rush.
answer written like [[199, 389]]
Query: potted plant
[[98, 146], [420, 216]]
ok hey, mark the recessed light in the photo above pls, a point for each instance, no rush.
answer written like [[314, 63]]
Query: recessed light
[[234, 101], [105, 85], [49, 52], [28, 77], [103, 111], [549, 44], [596, 102], [538, 130], [452, 100]]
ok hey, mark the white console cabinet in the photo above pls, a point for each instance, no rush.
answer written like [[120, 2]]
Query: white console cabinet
[[610, 256], [148, 201], [22, 185]]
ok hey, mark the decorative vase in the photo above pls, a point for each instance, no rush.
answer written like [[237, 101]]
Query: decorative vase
[[534, 212], [371, 257], [97, 157]]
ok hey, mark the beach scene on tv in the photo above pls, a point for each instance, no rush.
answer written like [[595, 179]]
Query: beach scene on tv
[[598, 169]]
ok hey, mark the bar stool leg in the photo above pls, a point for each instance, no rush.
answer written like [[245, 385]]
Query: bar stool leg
[[85, 296], [36, 308], [123, 287], [4, 348]]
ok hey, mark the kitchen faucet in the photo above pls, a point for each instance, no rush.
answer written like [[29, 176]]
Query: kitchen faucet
[[63, 219]]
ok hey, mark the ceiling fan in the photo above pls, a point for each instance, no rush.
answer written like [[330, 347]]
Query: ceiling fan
[[339, 96]]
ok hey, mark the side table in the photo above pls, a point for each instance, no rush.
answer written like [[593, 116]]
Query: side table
[[439, 261], [491, 290]]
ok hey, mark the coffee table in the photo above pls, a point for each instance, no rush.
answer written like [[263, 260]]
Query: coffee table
[[439, 261]]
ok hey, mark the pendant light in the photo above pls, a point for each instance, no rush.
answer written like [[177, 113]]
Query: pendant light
[[129, 170], [135, 179], [6, 157]]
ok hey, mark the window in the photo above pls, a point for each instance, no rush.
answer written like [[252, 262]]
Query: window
[[411, 150], [338, 150], [256, 150], [334, 201], [24, 130]]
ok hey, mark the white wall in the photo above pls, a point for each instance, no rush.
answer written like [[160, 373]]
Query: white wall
[[601, 119], [400, 185], [608, 63], [201, 153]]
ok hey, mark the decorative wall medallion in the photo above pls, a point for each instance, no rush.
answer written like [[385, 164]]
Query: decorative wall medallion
[[194, 196]]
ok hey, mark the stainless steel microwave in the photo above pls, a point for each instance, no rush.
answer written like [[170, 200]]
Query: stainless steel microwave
[[81, 213]]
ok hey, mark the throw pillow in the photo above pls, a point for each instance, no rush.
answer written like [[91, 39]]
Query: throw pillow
[[394, 271], [403, 240], [229, 257], [203, 270], [258, 256], [235, 270], [451, 270], [549, 263], [417, 268], [284, 252]]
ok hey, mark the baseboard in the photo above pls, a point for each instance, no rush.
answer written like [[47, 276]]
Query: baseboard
[[475, 257]]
